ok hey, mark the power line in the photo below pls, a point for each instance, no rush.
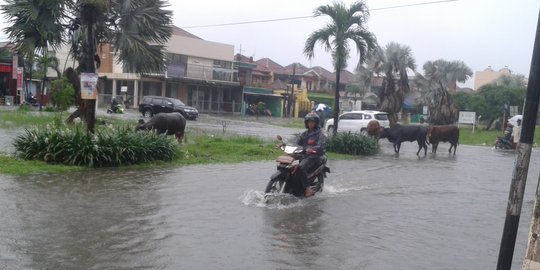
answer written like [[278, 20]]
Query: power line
[[305, 17]]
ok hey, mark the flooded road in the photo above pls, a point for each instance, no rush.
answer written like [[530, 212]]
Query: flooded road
[[381, 212]]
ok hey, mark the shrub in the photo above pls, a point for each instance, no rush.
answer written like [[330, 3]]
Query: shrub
[[352, 144], [62, 94], [105, 148]]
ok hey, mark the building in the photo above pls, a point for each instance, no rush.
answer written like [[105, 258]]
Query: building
[[199, 72], [489, 75]]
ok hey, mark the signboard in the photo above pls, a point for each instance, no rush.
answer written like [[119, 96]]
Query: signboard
[[123, 89], [14, 65], [467, 118], [89, 85], [19, 77]]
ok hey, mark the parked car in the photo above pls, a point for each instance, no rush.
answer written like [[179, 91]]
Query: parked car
[[151, 105], [357, 121]]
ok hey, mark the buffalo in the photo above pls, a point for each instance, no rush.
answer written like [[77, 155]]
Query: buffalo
[[168, 123], [447, 133], [398, 134]]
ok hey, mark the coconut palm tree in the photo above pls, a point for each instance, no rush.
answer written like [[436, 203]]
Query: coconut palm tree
[[355, 90], [393, 62], [434, 84], [347, 24]]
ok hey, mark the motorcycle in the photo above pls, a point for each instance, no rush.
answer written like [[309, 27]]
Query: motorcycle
[[503, 143], [284, 180], [31, 100], [116, 109]]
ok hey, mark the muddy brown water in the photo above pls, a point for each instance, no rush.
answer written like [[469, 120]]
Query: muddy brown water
[[380, 212]]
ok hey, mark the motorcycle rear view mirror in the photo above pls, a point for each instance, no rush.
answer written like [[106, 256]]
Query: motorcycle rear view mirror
[[279, 138]]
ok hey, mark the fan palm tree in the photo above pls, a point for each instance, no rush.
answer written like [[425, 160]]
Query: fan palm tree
[[137, 29], [347, 24], [438, 76], [393, 62], [34, 27]]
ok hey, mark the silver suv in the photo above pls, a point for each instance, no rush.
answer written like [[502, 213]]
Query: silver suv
[[357, 121]]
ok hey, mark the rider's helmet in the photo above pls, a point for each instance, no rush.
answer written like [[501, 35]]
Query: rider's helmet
[[311, 117]]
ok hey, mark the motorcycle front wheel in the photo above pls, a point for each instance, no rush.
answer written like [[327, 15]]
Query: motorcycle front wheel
[[274, 186], [318, 186]]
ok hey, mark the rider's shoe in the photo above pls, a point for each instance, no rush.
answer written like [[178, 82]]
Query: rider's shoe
[[308, 192]]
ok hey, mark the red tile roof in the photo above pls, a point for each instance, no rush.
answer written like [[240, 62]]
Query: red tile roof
[[267, 64]]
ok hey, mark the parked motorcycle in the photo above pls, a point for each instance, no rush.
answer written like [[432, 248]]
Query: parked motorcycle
[[284, 180], [31, 100], [116, 109], [503, 143]]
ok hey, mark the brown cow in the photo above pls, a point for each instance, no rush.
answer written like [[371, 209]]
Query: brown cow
[[438, 134]]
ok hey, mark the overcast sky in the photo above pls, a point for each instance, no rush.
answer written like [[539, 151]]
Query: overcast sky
[[481, 33]]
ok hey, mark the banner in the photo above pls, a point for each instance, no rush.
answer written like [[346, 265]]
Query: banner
[[89, 85], [19, 77]]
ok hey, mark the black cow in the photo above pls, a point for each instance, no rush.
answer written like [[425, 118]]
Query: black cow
[[438, 134], [169, 123], [398, 134]]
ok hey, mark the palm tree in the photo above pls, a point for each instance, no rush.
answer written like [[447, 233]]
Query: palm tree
[[136, 29], [393, 62], [438, 76], [355, 90], [347, 24], [34, 27]]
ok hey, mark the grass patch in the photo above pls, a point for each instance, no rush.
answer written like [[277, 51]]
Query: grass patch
[[207, 149], [16, 166], [22, 118], [485, 137]]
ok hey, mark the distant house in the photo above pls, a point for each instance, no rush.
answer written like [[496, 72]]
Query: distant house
[[488, 75]]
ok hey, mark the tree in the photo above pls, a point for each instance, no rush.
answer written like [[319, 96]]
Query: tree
[[355, 90], [512, 80], [34, 27], [493, 99], [347, 24], [62, 92], [438, 76], [137, 30], [393, 62]]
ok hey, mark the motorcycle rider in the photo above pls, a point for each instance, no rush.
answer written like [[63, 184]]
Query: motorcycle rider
[[114, 105], [313, 141]]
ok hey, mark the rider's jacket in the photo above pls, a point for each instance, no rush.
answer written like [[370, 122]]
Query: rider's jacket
[[315, 140]]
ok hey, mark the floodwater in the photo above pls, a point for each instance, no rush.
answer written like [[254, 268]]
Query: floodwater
[[381, 212]]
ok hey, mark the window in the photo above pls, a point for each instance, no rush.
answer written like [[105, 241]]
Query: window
[[381, 116], [177, 65]]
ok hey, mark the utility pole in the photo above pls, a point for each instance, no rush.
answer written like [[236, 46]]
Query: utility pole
[[521, 168], [90, 68], [291, 96]]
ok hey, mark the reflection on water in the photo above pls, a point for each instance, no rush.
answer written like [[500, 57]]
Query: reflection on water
[[295, 235], [437, 212]]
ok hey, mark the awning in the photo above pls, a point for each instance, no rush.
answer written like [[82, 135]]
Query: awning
[[267, 95]]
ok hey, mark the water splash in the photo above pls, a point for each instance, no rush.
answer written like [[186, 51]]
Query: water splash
[[280, 201], [339, 189]]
